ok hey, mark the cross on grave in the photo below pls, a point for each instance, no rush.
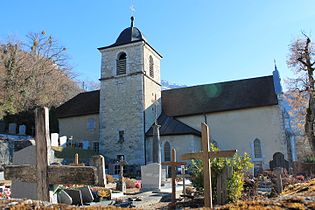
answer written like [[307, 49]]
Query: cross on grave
[[122, 163], [76, 161], [205, 156], [44, 174], [173, 165]]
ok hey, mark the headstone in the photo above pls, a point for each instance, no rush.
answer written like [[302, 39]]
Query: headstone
[[2, 126], [76, 196], [22, 189], [63, 141], [64, 197], [54, 137], [99, 162], [122, 184], [87, 195], [86, 145], [22, 129], [163, 175], [279, 161], [151, 177], [12, 128]]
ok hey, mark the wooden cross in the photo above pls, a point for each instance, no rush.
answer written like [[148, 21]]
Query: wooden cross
[[44, 174], [205, 156], [173, 165]]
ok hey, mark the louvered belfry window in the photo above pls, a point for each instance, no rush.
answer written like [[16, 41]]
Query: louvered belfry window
[[121, 63], [151, 66]]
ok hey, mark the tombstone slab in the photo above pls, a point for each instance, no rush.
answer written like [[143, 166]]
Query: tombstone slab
[[64, 197], [22, 189], [2, 126], [12, 128], [22, 129], [54, 138], [87, 196], [63, 141], [151, 177], [76, 196], [278, 161]]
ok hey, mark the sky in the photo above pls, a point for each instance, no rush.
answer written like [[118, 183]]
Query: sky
[[202, 41]]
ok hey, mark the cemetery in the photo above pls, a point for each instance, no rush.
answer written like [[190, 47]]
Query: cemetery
[[35, 179]]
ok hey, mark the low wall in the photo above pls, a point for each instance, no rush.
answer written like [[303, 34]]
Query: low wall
[[307, 169]]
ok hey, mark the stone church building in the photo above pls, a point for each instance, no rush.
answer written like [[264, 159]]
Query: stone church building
[[117, 119]]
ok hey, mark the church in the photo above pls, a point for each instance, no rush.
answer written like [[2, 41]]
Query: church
[[117, 120]]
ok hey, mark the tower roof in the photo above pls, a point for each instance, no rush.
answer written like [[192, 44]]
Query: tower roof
[[128, 35]]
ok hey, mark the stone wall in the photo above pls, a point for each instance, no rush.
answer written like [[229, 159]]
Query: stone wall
[[127, 101]]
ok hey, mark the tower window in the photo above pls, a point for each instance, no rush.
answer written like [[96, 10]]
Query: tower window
[[121, 63], [257, 149], [151, 66], [121, 136]]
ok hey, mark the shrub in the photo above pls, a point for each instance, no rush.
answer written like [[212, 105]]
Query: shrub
[[240, 165], [310, 159]]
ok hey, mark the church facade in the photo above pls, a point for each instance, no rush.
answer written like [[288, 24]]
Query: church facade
[[117, 120]]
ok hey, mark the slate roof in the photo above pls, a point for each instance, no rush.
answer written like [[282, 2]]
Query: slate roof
[[82, 104], [218, 97], [171, 126]]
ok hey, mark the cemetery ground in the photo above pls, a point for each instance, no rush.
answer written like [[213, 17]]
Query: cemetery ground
[[76, 186]]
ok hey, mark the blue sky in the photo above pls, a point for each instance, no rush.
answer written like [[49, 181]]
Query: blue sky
[[201, 41]]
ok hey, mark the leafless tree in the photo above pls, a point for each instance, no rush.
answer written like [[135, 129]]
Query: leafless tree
[[301, 60], [34, 73]]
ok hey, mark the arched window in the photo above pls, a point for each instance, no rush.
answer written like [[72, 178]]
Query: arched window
[[121, 63], [151, 66], [257, 149], [167, 151]]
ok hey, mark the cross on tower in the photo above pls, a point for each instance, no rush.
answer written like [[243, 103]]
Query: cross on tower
[[205, 156]]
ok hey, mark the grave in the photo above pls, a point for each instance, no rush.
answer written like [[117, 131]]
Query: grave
[[22, 129], [151, 174], [121, 185], [2, 126], [205, 156], [278, 161], [173, 165], [54, 139], [151, 177], [63, 141], [44, 174], [12, 128]]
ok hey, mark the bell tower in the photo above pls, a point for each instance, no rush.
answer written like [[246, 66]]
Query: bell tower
[[129, 95]]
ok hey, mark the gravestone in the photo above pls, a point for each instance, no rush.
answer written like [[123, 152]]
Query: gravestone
[[2, 126], [54, 137], [21, 189], [76, 196], [22, 129], [64, 197], [63, 141], [278, 161], [151, 177], [87, 196], [12, 128]]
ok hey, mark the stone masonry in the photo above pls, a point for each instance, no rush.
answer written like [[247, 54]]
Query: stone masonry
[[126, 101]]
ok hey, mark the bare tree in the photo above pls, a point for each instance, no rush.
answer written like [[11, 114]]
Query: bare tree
[[301, 60], [34, 73]]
